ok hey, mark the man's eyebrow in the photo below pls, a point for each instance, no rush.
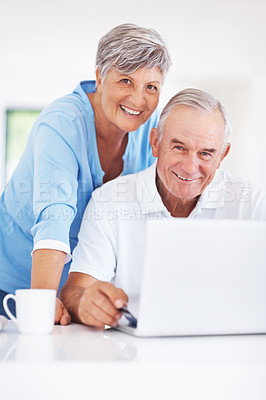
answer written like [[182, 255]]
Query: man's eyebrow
[[212, 150], [176, 141]]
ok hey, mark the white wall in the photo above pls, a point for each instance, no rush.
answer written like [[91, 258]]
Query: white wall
[[47, 47]]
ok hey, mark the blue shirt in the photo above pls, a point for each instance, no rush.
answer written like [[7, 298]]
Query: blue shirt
[[53, 182]]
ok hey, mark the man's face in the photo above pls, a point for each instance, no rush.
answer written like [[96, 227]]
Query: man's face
[[190, 151]]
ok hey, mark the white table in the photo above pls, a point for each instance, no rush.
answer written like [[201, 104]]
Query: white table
[[77, 362]]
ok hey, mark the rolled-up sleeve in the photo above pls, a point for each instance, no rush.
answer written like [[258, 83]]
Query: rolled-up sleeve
[[55, 182], [95, 253]]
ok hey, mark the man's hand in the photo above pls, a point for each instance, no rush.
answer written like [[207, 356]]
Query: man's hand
[[91, 301], [100, 303], [62, 316]]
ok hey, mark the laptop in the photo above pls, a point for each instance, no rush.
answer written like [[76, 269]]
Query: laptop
[[200, 277]]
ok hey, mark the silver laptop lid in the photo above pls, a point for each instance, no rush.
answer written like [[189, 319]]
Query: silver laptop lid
[[203, 277]]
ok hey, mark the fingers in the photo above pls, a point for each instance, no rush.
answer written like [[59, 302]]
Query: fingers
[[61, 314], [117, 296], [100, 303], [65, 319], [92, 315]]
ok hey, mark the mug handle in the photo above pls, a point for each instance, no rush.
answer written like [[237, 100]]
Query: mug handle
[[9, 313]]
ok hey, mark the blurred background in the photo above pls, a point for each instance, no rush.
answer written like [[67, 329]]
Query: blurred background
[[47, 47]]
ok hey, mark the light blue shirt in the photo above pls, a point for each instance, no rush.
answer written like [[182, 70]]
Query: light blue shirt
[[46, 197]]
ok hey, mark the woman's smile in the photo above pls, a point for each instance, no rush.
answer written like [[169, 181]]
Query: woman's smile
[[129, 111]]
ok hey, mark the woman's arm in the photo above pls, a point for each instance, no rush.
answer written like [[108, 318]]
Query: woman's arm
[[54, 200], [47, 267]]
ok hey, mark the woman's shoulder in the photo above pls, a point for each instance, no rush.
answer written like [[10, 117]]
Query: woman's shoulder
[[73, 105]]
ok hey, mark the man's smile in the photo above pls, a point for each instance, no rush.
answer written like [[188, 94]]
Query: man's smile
[[185, 179]]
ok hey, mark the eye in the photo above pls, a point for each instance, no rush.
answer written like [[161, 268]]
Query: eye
[[152, 88], [126, 81], [180, 148], [205, 154]]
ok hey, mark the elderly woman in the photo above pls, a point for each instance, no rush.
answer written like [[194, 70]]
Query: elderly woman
[[77, 143]]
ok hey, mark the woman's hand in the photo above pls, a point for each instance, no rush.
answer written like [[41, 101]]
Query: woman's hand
[[62, 316]]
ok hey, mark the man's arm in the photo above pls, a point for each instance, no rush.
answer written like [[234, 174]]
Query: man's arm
[[92, 302], [47, 267]]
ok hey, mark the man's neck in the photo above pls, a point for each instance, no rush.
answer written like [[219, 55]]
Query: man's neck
[[178, 208]]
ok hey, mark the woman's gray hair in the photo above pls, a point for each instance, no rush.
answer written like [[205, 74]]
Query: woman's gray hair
[[128, 47], [200, 100]]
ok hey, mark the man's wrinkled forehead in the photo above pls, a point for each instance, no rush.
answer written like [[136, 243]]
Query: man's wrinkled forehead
[[190, 121]]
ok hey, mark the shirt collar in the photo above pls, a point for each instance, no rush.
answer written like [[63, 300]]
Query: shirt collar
[[213, 195], [82, 89], [148, 196], [150, 200]]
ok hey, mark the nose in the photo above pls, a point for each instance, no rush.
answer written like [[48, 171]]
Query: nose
[[190, 163], [137, 97]]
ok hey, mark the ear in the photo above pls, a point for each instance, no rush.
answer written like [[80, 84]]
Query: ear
[[98, 80], [225, 152], [154, 141]]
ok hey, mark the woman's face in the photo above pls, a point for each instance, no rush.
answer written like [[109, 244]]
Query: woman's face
[[129, 100]]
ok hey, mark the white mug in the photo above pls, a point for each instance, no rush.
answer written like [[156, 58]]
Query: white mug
[[35, 309]]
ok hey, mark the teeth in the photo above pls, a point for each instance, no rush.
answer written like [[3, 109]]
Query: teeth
[[184, 179], [129, 111]]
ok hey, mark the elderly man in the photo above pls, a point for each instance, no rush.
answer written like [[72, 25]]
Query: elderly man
[[190, 142]]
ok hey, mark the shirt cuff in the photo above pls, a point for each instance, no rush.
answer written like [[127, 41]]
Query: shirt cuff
[[53, 245]]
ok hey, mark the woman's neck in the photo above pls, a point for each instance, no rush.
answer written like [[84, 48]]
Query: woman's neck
[[111, 142], [105, 130]]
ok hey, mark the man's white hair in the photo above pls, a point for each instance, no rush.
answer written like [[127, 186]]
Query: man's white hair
[[200, 100], [128, 47]]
